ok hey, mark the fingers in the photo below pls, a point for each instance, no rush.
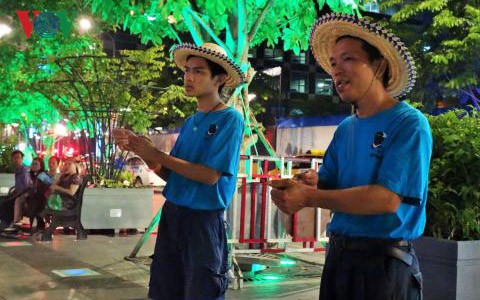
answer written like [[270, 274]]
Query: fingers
[[139, 144], [120, 133], [123, 137], [147, 139], [309, 177], [276, 194], [287, 194], [279, 194], [281, 183]]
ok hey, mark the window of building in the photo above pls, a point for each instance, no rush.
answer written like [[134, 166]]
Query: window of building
[[252, 53], [372, 7], [298, 82], [274, 54], [390, 11], [301, 58], [323, 86]]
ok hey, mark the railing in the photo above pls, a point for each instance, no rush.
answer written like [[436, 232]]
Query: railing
[[256, 224]]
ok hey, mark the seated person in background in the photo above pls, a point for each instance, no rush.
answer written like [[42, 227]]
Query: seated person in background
[[37, 199], [34, 201], [68, 182], [22, 183], [53, 164]]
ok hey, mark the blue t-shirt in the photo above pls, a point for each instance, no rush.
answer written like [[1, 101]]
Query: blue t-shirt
[[391, 149], [213, 140]]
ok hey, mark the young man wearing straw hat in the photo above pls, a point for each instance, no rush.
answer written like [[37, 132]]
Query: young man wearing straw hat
[[191, 255], [374, 175]]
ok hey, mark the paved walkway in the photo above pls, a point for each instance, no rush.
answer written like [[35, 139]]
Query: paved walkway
[[32, 270]]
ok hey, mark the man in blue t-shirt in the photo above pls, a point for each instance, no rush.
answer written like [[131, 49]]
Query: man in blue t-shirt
[[374, 175], [191, 255]]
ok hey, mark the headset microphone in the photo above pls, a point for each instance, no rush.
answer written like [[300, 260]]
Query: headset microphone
[[354, 103]]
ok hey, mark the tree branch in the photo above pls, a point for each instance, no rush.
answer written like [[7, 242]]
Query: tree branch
[[242, 24], [261, 17], [195, 32], [210, 31]]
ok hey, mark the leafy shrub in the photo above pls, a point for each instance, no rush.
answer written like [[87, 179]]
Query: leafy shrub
[[124, 179], [7, 145], [453, 207]]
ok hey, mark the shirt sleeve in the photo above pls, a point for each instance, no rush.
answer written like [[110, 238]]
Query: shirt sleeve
[[224, 152], [406, 162]]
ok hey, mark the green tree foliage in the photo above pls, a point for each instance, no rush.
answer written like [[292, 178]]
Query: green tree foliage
[[7, 145], [453, 207], [98, 93], [46, 80], [445, 41], [244, 23], [236, 25]]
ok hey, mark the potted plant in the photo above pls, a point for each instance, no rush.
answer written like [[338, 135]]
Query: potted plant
[[117, 203], [450, 255]]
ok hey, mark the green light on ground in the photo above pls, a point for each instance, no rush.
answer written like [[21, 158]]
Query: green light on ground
[[258, 267], [287, 262], [269, 277]]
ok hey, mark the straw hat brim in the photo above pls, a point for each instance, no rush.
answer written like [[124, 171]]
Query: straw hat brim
[[330, 27], [235, 75]]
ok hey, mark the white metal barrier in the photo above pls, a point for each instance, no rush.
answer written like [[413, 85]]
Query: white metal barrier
[[257, 226]]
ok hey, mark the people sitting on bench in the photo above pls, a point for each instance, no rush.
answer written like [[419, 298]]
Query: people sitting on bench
[[64, 204], [34, 201], [68, 182]]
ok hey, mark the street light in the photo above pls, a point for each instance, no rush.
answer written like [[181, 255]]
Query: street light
[[85, 24], [275, 71], [4, 30], [60, 129]]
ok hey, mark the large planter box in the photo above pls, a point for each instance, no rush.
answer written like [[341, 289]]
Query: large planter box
[[7, 180], [116, 208], [451, 269]]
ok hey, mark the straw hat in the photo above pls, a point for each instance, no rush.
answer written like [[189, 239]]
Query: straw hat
[[327, 29], [214, 53]]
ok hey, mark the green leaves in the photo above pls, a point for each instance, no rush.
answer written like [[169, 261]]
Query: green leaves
[[453, 207], [432, 5], [289, 20], [445, 48], [446, 19], [7, 145]]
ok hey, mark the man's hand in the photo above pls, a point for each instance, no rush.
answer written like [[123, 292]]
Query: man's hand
[[289, 195], [309, 178], [122, 138], [141, 145], [144, 147]]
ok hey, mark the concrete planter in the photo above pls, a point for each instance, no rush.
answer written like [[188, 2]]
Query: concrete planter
[[451, 269], [116, 208], [7, 180]]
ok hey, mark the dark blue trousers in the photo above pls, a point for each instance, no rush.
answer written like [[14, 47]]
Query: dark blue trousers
[[362, 269], [191, 256]]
